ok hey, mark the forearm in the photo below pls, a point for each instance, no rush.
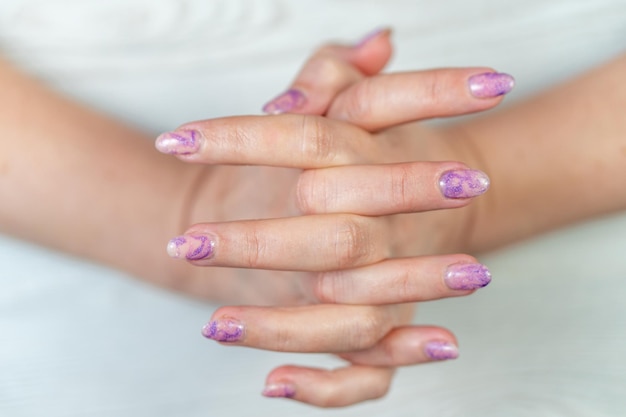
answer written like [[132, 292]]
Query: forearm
[[553, 160], [77, 181]]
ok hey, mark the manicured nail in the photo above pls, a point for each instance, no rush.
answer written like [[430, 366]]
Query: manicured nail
[[467, 276], [288, 101], [191, 247], [441, 351], [463, 183], [279, 390], [181, 142], [224, 329], [371, 35], [490, 84]]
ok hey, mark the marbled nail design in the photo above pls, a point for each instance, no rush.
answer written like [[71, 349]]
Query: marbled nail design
[[224, 329], [181, 142], [280, 390], [467, 276], [463, 183], [440, 351], [286, 102], [490, 84], [191, 247]]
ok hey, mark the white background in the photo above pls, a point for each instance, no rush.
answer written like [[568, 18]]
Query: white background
[[546, 338]]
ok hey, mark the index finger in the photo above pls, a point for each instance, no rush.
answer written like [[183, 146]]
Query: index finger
[[291, 141]]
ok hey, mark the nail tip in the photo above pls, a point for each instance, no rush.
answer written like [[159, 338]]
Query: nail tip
[[465, 276], [173, 246], [279, 391], [491, 84], [183, 142], [192, 247], [291, 99], [440, 351], [225, 330], [371, 35], [464, 183]]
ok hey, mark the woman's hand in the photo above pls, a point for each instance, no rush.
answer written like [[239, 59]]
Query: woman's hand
[[327, 198]]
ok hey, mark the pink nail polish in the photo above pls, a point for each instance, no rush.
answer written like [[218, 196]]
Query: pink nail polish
[[288, 101], [490, 84], [280, 390], [371, 35], [467, 276], [463, 183], [180, 142], [191, 247], [440, 351], [224, 329]]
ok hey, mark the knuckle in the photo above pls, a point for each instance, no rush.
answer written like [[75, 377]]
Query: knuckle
[[406, 286], [402, 179], [240, 140], [368, 330], [306, 192], [433, 92], [353, 242], [253, 248], [325, 288], [329, 68], [315, 192], [379, 389], [283, 340], [359, 101], [317, 139]]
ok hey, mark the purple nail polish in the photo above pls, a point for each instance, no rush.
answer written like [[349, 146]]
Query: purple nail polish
[[181, 142], [191, 247], [490, 84], [289, 100], [371, 35], [279, 390], [463, 183], [440, 351], [224, 329], [467, 276]]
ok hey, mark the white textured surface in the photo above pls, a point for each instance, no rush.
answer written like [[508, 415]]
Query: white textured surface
[[546, 338]]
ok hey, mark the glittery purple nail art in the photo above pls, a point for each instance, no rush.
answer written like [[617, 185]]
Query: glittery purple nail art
[[490, 84], [465, 183], [280, 391], [286, 102], [440, 351], [191, 247], [467, 276], [181, 142], [224, 330]]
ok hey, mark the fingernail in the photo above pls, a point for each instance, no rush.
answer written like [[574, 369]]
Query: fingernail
[[490, 84], [288, 101], [441, 351], [371, 35], [191, 247], [180, 142], [467, 276], [279, 390], [224, 329], [463, 183]]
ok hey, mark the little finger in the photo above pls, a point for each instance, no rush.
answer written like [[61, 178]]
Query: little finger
[[329, 388]]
